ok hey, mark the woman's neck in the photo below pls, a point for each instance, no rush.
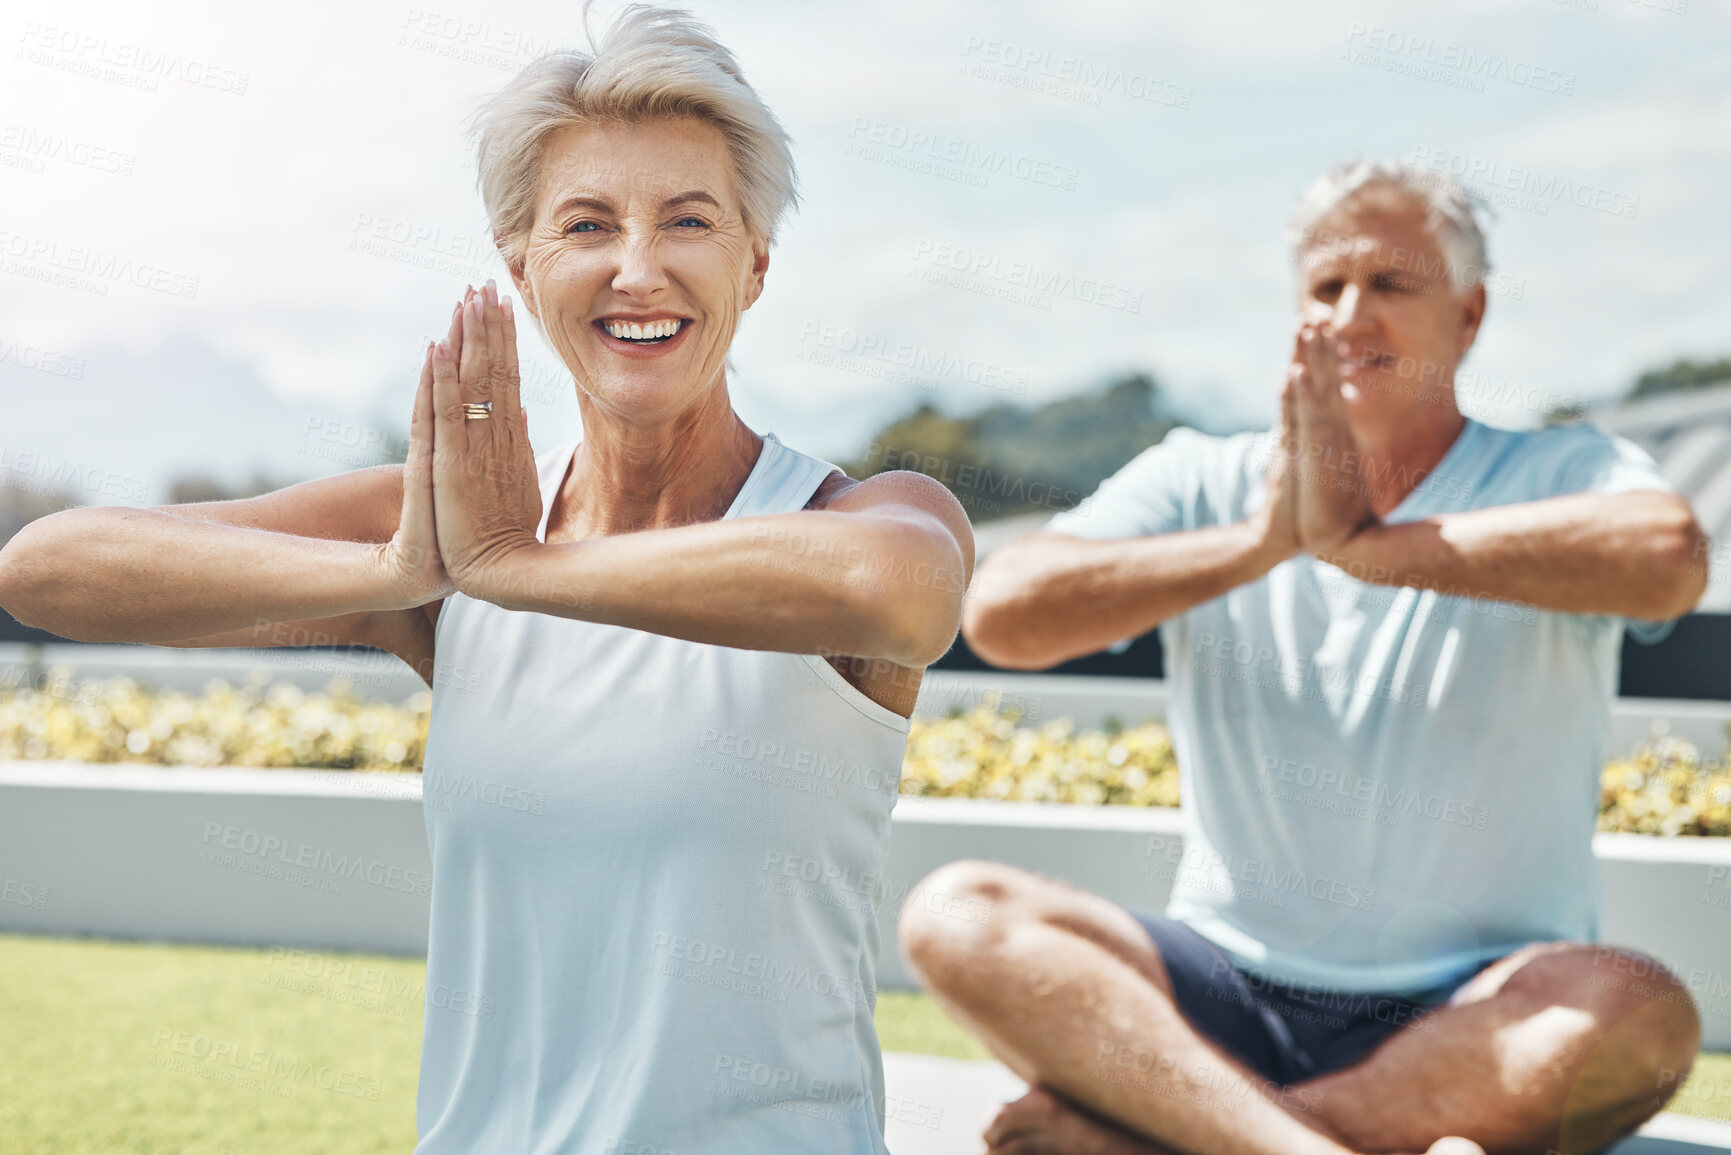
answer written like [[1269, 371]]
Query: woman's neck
[[630, 476]]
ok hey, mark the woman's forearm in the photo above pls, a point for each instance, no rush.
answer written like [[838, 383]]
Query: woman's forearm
[[114, 574], [807, 582]]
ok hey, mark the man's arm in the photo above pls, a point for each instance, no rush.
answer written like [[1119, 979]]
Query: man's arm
[[1047, 598], [1620, 546], [1051, 597], [1636, 554]]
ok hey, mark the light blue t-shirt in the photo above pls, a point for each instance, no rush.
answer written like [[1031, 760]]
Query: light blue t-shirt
[[1383, 786]]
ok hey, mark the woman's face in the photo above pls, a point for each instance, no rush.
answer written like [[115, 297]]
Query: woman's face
[[638, 224]]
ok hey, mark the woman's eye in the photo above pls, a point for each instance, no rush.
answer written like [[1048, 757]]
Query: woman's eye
[[698, 221], [583, 227]]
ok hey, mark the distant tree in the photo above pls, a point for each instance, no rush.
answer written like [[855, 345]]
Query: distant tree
[[21, 504], [1009, 459], [198, 487], [1681, 375]]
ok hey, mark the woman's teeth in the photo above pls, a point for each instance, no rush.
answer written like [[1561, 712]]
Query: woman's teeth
[[649, 331]]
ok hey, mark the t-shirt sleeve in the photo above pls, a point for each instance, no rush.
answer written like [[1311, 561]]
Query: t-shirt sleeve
[[1595, 461], [1148, 495]]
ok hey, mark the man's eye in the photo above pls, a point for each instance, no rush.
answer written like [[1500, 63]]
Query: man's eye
[[1326, 291]]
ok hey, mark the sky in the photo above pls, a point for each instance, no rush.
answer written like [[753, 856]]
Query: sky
[[226, 230]]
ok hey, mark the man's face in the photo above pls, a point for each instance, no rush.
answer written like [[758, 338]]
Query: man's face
[[1372, 274]]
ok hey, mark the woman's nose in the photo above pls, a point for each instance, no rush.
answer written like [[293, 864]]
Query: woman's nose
[[640, 271]]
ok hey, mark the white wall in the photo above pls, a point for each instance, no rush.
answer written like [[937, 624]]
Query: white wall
[[337, 860]]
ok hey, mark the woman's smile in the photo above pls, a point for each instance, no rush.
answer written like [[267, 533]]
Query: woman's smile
[[653, 335]]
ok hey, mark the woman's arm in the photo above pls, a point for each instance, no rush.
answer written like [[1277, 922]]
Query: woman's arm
[[112, 574], [361, 542], [878, 573], [406, 633]]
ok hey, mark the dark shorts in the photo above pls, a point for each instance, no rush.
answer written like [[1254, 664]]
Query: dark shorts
[[1287, 1034]]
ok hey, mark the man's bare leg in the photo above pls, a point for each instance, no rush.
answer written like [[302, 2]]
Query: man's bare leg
[[1558, 1047], [1069, 992]]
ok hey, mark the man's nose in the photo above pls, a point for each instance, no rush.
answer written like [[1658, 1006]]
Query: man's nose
[[1352, 309]]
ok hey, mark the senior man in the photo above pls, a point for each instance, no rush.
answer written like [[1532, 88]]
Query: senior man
[[1392, 636]]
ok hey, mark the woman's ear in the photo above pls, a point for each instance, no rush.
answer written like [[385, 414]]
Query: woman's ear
[[759, 266], [525, 290], [516, 267]]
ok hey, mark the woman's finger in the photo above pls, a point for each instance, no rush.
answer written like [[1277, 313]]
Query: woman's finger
[[474, 364], [501, 339], [417, 515], [509, 333], [511, 360], [418, 466], [449, 437]]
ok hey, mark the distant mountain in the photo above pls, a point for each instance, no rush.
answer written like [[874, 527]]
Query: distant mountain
[[1007, 459]]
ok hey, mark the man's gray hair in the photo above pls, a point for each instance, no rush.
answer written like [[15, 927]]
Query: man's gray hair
[[652, 63], [1454, 212]]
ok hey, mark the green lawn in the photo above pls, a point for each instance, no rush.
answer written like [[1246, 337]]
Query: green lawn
[[109, 1048]]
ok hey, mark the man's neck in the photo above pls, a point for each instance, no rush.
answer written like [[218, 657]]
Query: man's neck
[[1399, 456]]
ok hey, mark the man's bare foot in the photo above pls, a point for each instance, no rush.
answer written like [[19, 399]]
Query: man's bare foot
[[1454, 1146], [1040, 1123]]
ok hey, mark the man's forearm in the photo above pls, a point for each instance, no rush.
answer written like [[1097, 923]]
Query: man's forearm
[[1633, 554], [1049, 598], [113, 574]]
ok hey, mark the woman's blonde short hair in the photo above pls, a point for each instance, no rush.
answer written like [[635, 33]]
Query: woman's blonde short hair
[[652, 63]]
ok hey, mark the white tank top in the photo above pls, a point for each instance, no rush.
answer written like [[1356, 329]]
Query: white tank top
[[653, 864]]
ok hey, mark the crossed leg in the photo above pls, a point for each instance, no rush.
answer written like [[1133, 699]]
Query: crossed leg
[[1558, 1047]]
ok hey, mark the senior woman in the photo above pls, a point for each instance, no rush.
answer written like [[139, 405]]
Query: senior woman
[[672, 661]]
